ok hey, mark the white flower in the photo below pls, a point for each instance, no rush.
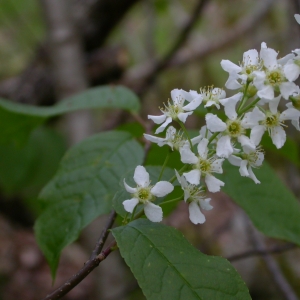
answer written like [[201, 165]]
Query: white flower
[[272, 78], [297, 18], [173, 139], [295, 121], [247, 160], [202, 165], [194, 196], [272, 121], [233, 129], [244, 73], [176, 111], [210, 96], [145, 193]]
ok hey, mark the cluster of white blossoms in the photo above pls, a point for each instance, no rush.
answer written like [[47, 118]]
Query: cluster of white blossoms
[[261, 80]]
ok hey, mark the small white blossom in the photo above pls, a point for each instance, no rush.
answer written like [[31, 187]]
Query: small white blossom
[[272, 78], [244, 72], [271, 121], [202, 165], [195, 197], [210, 96], [248, 160], [174, 139], [233, 129], [176, 110], [145, 194]]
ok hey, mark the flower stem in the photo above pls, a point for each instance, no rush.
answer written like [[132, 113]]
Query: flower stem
[[213, 137], [244, 99], [164, 165], [173, 200], [186, 133], [252, 104], [132, 215]]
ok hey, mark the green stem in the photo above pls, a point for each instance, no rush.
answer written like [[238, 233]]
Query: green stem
[[186, 133], [132, 215], [252, 104], [244, 99], [164, 165], [173, 200], [213, 137]]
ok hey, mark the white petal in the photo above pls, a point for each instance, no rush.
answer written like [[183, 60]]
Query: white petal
[[196, 139], [278, 136], [213, 183], [181, 180], [214, 124], [196, 216], [194, 103], [193, 176], [296, 124], [216, 166], [230, 67], [163, 126], [187, 156], [232, 83], [273, 105], [246, 142], [252, 118], [129, 205], [162, 188], [269, 57], [202, 148], [243, 168], [235, 160], [290, 114], [170, 134], [224, 147], [252, 176], [250, 57], [155, 139], [204, 204], [283, 60], [291, 71], [141, 176], [287, 89], [267, 92], [157, 119], [128, 188], [229, 105], [297, 18], [153, 212], [182, 116], [256, 134]]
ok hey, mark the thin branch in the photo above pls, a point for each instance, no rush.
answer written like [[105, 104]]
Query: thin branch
[[272, 266], [197, 52], [257, 252], [95, 259], [104, 235]]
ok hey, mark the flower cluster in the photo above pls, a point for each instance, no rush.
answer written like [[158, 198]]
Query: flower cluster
[[261, 80]]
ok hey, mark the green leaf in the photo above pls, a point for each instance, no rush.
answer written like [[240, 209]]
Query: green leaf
[[167, 266], [270, 205], [122, 195], [17, 120], [82, 189], [26, 170]]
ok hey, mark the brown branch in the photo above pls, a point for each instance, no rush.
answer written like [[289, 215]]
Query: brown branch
[[138, 74], [95, 259], [272, 266], [260, 252], [181, 39]]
